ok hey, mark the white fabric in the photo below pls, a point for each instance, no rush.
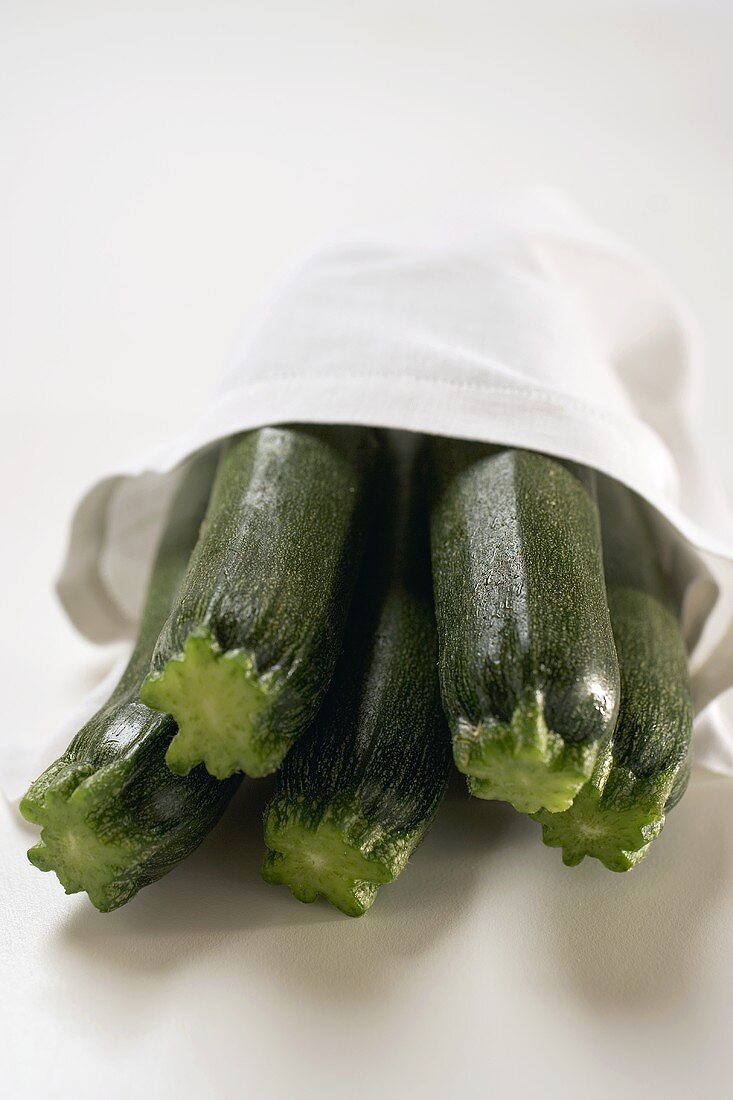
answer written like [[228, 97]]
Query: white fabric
[[522, 324]]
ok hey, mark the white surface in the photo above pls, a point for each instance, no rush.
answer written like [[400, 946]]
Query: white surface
[[162, 160]]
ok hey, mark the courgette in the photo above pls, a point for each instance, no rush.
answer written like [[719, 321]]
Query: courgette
[[528, 668], [246, 655], [358, 792], [643, 771], [113, 817]]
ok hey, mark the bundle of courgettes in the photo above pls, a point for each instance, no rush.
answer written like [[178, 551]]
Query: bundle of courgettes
[[291, 626]]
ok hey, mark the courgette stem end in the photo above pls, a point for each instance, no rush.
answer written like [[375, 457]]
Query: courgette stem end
[[221, 706], [77, 845], [615, 831], [332, 858], [523, 762]]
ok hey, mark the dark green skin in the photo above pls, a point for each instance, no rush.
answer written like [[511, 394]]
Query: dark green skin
[[378, 755], [680, 785], [274, 568], [643, 770], [160, 816], [519, 590], [654, 726]]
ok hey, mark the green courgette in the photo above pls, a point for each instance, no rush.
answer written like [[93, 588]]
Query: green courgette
[[528, 668], [358, 792], [643, 771], [246, 655], [113, 817]]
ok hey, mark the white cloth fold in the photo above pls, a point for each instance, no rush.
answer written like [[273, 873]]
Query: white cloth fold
[[522, 324]]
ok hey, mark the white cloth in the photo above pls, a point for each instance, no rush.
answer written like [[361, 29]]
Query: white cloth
[[522, 324]]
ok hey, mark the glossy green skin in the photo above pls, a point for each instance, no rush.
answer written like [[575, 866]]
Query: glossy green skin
[[654, 729], [654, 725], [267, 589], [528, 668], [644, 770], [373, 767], [111, 796]]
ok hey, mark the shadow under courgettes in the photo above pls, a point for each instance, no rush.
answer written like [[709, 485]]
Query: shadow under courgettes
[[217, 897], [636, 941]]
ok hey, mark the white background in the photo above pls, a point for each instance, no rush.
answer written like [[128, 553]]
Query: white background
[[160, 161]]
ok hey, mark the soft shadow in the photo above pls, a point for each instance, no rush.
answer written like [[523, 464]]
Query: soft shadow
[[631, 941], [361, 960], [216, 901], [214, 891], [623, 944]]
